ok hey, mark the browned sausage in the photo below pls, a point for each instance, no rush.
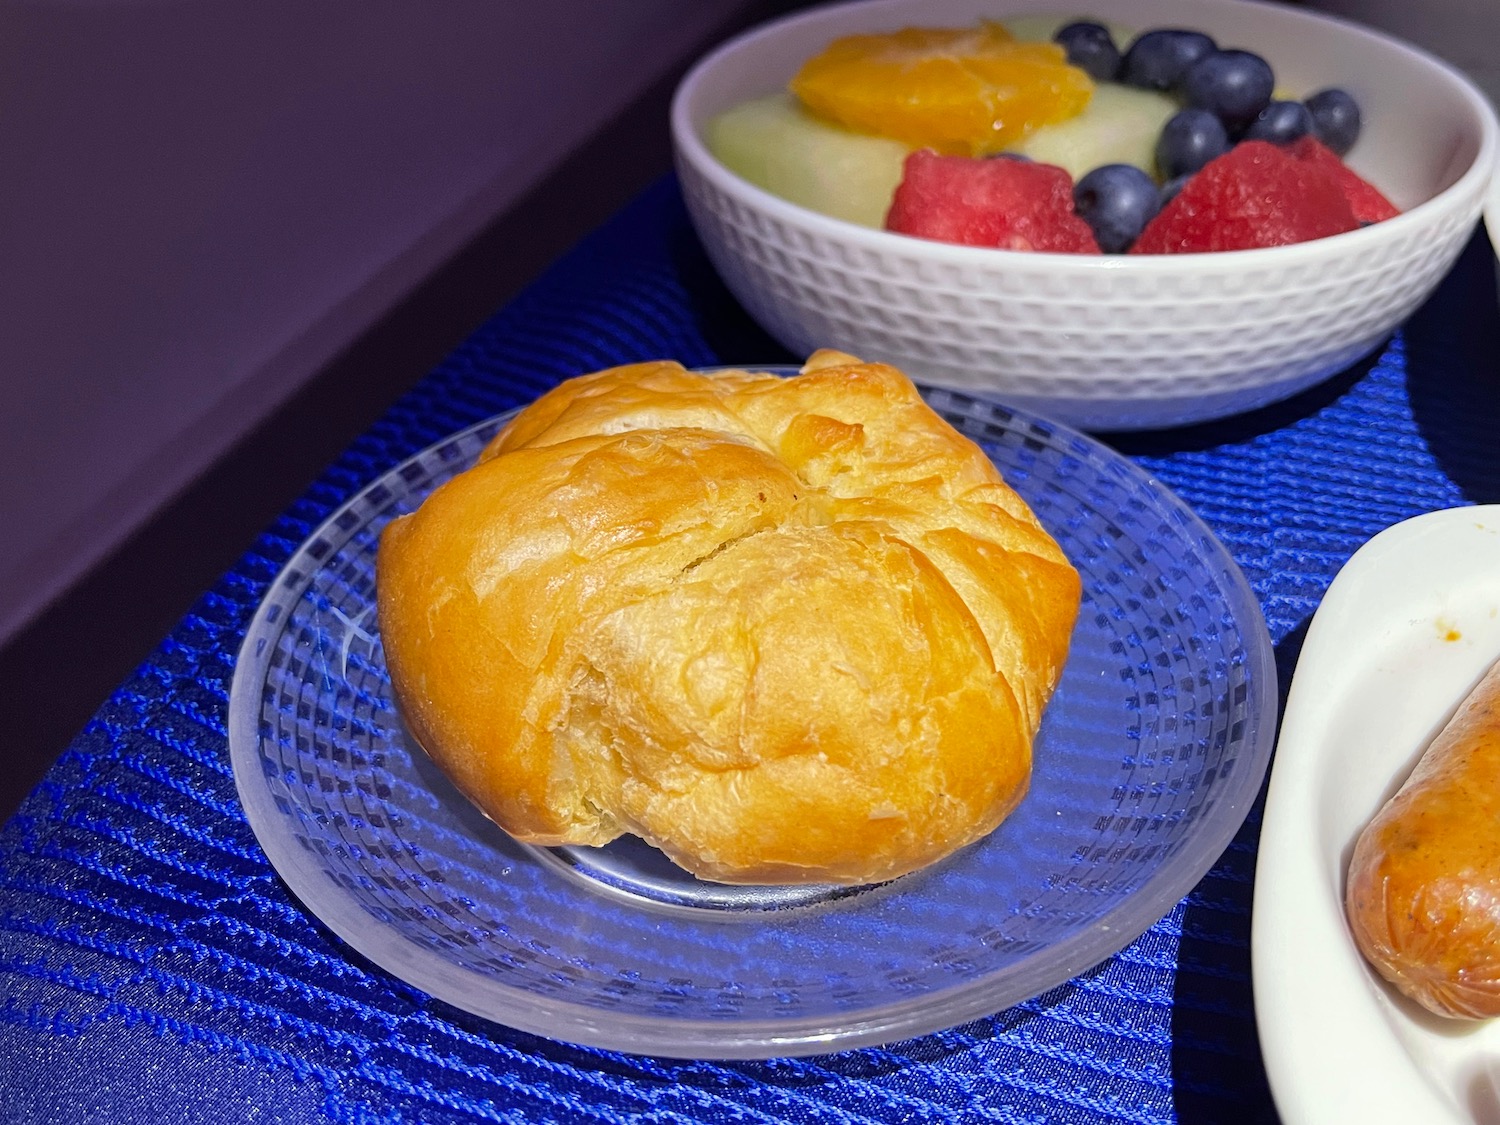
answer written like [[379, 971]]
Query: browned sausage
[[1424, 884]]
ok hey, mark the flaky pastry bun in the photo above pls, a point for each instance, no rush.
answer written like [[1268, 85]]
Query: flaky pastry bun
[[785, 630]]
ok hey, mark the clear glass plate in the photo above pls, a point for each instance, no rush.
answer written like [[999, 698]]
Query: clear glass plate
[[1150, 754]]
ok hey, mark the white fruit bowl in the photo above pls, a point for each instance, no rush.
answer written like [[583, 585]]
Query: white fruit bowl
[[1109, 342]]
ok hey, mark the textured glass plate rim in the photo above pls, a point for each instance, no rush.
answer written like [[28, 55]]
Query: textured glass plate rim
[[760, 1038], [1327, 1022]]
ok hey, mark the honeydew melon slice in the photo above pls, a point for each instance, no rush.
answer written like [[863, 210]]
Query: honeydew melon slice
[[778, 146], [1041, 28], [1120, 126]]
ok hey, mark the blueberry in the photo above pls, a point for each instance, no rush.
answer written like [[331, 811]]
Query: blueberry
[[1335, 119], [1117, 201], [1281, 123], [1091, 48], [1157, 60], [1233, 85], [1019, 157], [1170, 189], [1188, 141]]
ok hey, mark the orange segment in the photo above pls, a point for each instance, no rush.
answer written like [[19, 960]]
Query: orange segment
[[962, 91]]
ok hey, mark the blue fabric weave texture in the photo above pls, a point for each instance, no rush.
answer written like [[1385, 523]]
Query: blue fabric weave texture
[[154, 969]]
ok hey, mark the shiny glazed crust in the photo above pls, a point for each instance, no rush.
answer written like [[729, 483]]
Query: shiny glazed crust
[[786, 630], [1423, 895]]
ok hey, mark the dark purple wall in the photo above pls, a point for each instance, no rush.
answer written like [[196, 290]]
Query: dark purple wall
[[202, 202]]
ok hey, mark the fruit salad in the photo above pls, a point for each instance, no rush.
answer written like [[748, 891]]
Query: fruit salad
[[1059, 135]]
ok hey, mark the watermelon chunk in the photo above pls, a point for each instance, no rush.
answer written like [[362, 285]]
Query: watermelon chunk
[[1365, 200], [1255, 195], [1004, 203]]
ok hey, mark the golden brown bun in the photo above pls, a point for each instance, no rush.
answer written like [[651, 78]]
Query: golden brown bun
[[1423, 896], [786, 630]]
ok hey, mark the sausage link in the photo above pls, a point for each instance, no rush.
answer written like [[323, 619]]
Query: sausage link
[[1423, 896]]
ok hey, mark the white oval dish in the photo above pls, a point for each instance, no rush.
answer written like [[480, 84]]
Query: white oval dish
[[1104, 342], [1405, 630], [1492, 217]]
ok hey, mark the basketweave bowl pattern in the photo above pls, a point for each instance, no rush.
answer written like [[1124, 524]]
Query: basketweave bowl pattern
[[1119, 342], [1150, 755]]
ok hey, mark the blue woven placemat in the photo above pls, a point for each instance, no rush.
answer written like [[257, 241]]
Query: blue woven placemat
[[154, 969]]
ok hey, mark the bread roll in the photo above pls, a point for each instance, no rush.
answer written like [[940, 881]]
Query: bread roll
[[1423, 896], [785, 630]]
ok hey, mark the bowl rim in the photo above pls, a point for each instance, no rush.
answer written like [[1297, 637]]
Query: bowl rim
[[1490, 211], [1479, 179]]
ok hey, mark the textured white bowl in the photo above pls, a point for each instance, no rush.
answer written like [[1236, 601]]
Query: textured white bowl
[[1110, 342]]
